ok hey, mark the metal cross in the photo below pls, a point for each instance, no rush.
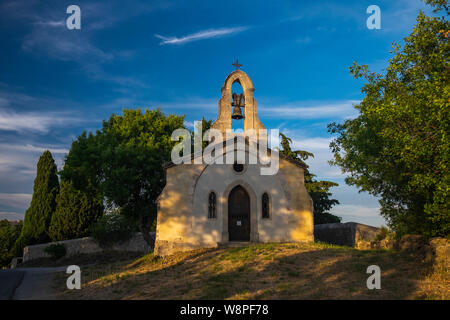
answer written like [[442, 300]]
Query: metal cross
[[236, 64]]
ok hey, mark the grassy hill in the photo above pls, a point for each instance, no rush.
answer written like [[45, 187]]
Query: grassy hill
[[266, 271]]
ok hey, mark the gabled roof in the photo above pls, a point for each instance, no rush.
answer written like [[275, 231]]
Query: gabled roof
[[193, 155]]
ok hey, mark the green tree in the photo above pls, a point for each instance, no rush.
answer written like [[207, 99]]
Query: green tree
[[9, 233], [80, 202], [133, 149], [398, 147], [82, 166], [318, 190], [43, 204], [75, 213]]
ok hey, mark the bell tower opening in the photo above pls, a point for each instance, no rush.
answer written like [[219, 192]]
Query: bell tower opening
[[237, 108]]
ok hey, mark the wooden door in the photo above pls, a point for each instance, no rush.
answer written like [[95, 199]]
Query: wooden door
[[239, 215]]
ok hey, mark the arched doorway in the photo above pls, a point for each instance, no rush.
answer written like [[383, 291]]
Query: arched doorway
[[239, 215]]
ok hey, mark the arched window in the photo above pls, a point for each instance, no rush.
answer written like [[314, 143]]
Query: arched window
[[265, 206], [212, 206]]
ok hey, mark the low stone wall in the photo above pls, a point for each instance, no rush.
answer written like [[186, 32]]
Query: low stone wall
[[440, 246], [87, 245], [344, 234], [436, 250]]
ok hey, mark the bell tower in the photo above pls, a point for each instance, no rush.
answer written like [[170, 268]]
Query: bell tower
[[230, 104]]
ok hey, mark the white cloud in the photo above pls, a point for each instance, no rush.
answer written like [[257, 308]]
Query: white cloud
[[31, 148], [319, 146], [51, 23], [16, 200], [189, 124], [312, 143], [59, 44], [201, 35], [33, 121], [341, 109], [355, 211], [360, 214], [11, 216], [18, 165]]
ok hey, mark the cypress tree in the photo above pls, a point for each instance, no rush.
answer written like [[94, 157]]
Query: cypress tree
[[75, 212], [43, 204], [318, 190]]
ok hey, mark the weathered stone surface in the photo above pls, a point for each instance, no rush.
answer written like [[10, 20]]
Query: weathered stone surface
[[344, 234], [183, 222], [251, 120], [87, 245], [435, 250], [412, 242], [441, 250]]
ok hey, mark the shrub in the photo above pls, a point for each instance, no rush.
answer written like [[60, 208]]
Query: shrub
[[385, 233], [112, 228], [56, 250], [9, 234], [75, 212]]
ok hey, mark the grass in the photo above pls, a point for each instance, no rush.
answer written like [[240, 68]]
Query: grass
[[264, 271]]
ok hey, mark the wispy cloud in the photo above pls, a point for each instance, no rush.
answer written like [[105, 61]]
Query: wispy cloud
[[11, 216], [301, 110], [33, 121], [201, 35], [48, 36], [60, 45], [32, 148], [18, 161], [51, 23], [319, 146], [16, 200], [356, 211]]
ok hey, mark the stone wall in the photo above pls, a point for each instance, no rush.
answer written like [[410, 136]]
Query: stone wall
[[344, 234], [87, 245], [183, 222]]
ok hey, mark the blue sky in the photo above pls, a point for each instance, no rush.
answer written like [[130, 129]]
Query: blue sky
[[55, 82]]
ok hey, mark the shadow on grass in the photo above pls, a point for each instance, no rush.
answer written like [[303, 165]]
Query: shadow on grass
[[262, 271]]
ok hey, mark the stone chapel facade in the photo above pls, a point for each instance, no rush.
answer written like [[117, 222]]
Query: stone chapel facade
[[205, 205]]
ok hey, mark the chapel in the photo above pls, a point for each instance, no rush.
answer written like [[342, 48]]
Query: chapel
[[210, 204]]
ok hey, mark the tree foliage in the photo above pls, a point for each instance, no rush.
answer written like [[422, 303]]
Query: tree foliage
[[112, 228], [43, 204], [75, 212], [133, 148], [398, 147], [80, 201], [9, 233], [318, 190], [82, 166]]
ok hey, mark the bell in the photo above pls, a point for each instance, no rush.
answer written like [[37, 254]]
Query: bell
[[237, 113]]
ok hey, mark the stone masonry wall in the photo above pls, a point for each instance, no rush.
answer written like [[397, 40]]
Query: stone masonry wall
[[344, 234], [87, 245]]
